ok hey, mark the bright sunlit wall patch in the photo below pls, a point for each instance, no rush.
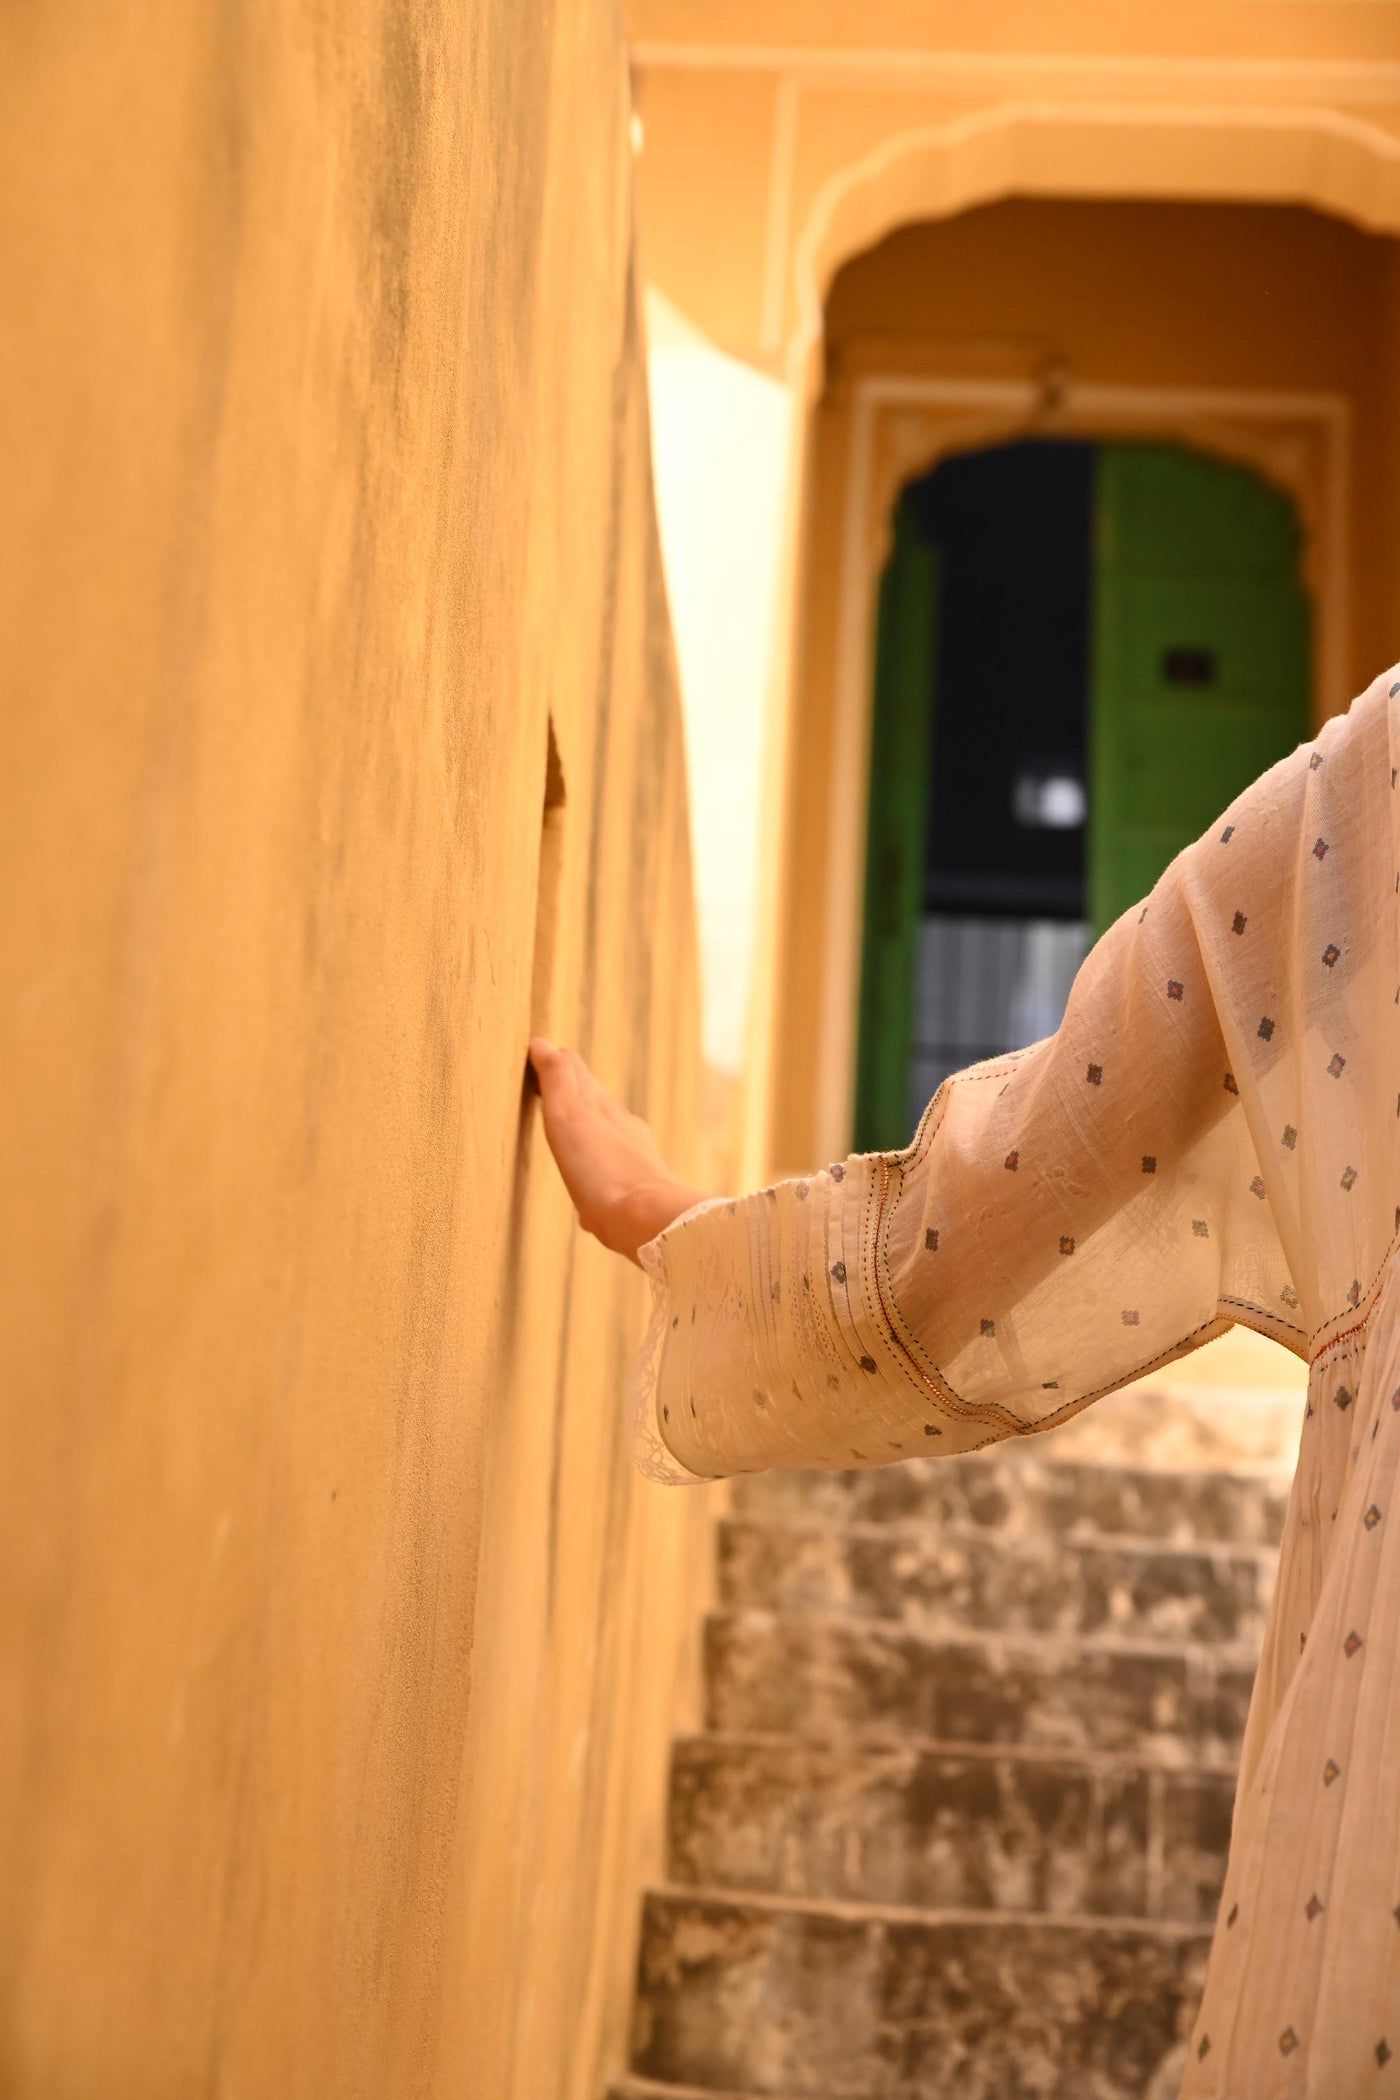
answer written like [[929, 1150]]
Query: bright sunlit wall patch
[[721, 441]]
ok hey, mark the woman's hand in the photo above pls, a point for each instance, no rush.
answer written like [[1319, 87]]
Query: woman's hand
[[621, 1187]]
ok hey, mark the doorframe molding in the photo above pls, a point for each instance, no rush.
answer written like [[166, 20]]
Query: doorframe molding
[[902, 425]]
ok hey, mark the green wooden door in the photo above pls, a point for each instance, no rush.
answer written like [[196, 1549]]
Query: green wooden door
[[899, 759], [1200, 658]]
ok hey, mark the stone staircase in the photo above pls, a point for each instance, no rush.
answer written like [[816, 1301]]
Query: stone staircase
[[957, 1825]]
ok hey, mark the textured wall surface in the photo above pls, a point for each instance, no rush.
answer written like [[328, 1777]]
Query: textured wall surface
[[340, 1644]]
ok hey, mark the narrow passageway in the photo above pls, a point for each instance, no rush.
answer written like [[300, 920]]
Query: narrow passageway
[[735, 535], [956, 1827]]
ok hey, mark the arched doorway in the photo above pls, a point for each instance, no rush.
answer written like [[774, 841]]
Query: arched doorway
[[1084, 651]]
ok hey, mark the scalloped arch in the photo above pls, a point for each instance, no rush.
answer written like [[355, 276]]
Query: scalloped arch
[[1331, 160]]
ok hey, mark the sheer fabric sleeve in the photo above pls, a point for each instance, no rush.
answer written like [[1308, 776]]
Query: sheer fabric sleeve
[[1069, 1217]]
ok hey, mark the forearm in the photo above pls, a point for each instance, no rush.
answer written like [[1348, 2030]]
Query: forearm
[[642, 1213]]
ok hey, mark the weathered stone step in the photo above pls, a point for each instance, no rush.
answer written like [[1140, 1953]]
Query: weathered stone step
[[851, 2002], [936, 1829], [1008, 1490], [951, 1578], [835, 1680]]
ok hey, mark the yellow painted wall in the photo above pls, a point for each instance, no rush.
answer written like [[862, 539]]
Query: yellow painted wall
[[1301, 28], [340, 1644], [1151, 295]]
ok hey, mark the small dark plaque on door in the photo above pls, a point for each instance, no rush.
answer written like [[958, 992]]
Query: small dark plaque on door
[[1189, 666]]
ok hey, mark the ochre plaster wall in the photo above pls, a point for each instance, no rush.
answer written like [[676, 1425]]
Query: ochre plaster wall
[[340, 1642], [1172, 296], [1306, 28]]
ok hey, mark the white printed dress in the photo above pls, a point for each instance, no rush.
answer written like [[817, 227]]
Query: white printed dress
[[1212, 1136]]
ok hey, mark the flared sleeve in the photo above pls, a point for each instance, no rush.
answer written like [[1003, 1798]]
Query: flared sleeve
[[1074, 1215]]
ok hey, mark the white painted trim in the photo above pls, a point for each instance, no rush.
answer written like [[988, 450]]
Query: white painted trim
[[1369, 80], [1168, 411]]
